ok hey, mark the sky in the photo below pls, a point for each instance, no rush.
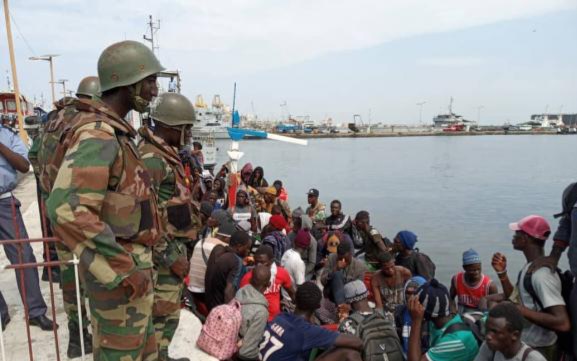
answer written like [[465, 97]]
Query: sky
[[500, 60]]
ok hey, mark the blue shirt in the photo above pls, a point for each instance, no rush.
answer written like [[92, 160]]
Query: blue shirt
[[8, 176], [291, 338]]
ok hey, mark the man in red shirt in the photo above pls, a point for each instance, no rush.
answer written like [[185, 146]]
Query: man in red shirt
[[280, 278]]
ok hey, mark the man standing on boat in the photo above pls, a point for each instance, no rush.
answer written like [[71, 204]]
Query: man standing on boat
[[315, 210], [104, 209], [173, 117]]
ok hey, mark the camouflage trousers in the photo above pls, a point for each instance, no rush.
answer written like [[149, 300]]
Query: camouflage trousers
[[122, 328], [68, 286], [166, 312]]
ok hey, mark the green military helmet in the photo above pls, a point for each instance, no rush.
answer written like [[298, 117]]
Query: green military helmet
[[89, 86], [173, 109], [126, 63]]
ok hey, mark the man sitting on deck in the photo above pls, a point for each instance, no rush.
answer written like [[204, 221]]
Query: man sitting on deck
[[340, 269]]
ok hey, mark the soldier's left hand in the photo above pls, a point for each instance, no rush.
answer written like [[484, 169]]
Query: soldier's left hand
[[180, 267]]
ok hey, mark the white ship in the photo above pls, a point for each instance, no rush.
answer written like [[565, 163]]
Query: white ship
[[213, 120]]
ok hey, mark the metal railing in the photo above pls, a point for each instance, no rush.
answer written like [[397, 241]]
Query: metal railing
[[21, 266]]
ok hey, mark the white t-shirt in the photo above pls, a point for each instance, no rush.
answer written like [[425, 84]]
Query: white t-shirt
[[198, 265], [547, 286], [291, 261], [485, 354]]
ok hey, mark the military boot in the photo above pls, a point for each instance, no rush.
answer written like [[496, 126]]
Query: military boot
[[74, 347]]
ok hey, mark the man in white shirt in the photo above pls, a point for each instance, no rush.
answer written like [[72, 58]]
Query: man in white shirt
[[292, 261], [503, 339], [538, 294], [201, 254]]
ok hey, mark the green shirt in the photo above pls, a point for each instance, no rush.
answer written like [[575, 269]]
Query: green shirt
[[455, 346]]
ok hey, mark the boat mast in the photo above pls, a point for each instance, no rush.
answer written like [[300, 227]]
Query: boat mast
[[153, 28], [233, 106]]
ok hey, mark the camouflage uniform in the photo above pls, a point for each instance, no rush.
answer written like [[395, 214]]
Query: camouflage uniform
[[46, 156], [180, 225], [103, 207]]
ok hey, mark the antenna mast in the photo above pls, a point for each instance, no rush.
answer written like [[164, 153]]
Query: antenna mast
[[153, 29]]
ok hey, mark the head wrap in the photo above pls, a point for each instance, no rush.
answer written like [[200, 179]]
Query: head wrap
[[413, 282], [435, 299], [226, 228], [303, 239], [471, 257], [355, 291], [220, 215], [278, 222], [407, 238]]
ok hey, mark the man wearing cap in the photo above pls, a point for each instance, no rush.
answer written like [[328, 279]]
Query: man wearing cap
[[292, 261], [451, 339], [410, 257], [471, 285], [341, 268], [368, 240], [271, 199], [315, 210], [308, 255], [277, 238], [537, 293]]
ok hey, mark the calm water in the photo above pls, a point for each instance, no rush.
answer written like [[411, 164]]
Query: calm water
[[453, 192]]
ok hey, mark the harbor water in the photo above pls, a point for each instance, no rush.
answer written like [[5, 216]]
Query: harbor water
[[455, 193]]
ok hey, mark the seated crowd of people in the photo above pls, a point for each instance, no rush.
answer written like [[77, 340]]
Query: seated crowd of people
[[316, 285]]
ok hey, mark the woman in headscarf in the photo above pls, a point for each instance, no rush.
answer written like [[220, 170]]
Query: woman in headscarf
[[257, 179], [243, 211], [218, 186]]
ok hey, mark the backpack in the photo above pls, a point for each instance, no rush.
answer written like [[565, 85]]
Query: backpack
[[427, 263], [380, 339], [564, 339], [219, 334], [471, 324]]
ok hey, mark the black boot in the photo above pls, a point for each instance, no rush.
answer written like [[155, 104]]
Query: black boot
[[74, 348], [55, 274]]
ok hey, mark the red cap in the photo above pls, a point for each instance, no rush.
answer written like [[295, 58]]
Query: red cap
[[535, 226], [278, 222]]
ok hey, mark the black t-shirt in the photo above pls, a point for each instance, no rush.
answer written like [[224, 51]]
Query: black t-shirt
[[223, 266]]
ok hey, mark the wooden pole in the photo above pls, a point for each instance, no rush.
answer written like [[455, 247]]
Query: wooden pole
[[21, 130]]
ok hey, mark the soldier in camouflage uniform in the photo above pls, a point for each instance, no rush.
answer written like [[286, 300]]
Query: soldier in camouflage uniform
[[173, 117], [104, 208], [48, 156]]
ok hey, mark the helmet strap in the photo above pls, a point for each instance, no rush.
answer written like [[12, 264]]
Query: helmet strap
[[138, 103]]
